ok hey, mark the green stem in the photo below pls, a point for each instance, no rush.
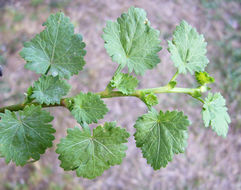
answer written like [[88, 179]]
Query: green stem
[[119, 68], [175, 76], [46, 72], [112, 94], [200, 99], [166, 89], [18, 107]]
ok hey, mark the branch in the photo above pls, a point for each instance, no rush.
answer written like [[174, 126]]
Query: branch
[[112, 94]]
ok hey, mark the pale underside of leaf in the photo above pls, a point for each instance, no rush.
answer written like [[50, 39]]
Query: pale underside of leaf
[[215, 114], [188, 49], [132, 42]]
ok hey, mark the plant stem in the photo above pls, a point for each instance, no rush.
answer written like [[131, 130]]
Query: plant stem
[[18, 107], [119, 68], [175, 76], [112, 94], [166, 89], [200, 99]]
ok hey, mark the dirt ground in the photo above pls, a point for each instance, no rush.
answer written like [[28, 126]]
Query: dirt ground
[[210, 162]]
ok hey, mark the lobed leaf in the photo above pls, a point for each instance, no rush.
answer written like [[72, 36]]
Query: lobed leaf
[[151, 99], [56, 50], [124, 82], [161, 135], [25, 134], [88, 108], [215, 114], [90, 155], [49, 90], [132, 42], [188, 49]]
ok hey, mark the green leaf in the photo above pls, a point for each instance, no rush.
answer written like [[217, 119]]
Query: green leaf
[[50, 90], [90, 155], [215, 114], [56, 50], [29, 91], [28, 95], [124, 82], [160, 136], [25, 134], [132, 41], [197, 94], [88, 108], [188, 49], [204, 78], [172, 84], [151, 99]]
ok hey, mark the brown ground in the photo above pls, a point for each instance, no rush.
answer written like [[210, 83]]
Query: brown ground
[[210, 162]]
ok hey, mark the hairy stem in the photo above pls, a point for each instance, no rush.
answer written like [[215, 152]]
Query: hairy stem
[[112, 94]]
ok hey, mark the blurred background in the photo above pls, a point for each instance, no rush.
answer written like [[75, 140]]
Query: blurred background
[[210, 162]]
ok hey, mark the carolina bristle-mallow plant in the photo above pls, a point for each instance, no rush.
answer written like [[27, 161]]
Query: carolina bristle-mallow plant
[[57, 53]]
